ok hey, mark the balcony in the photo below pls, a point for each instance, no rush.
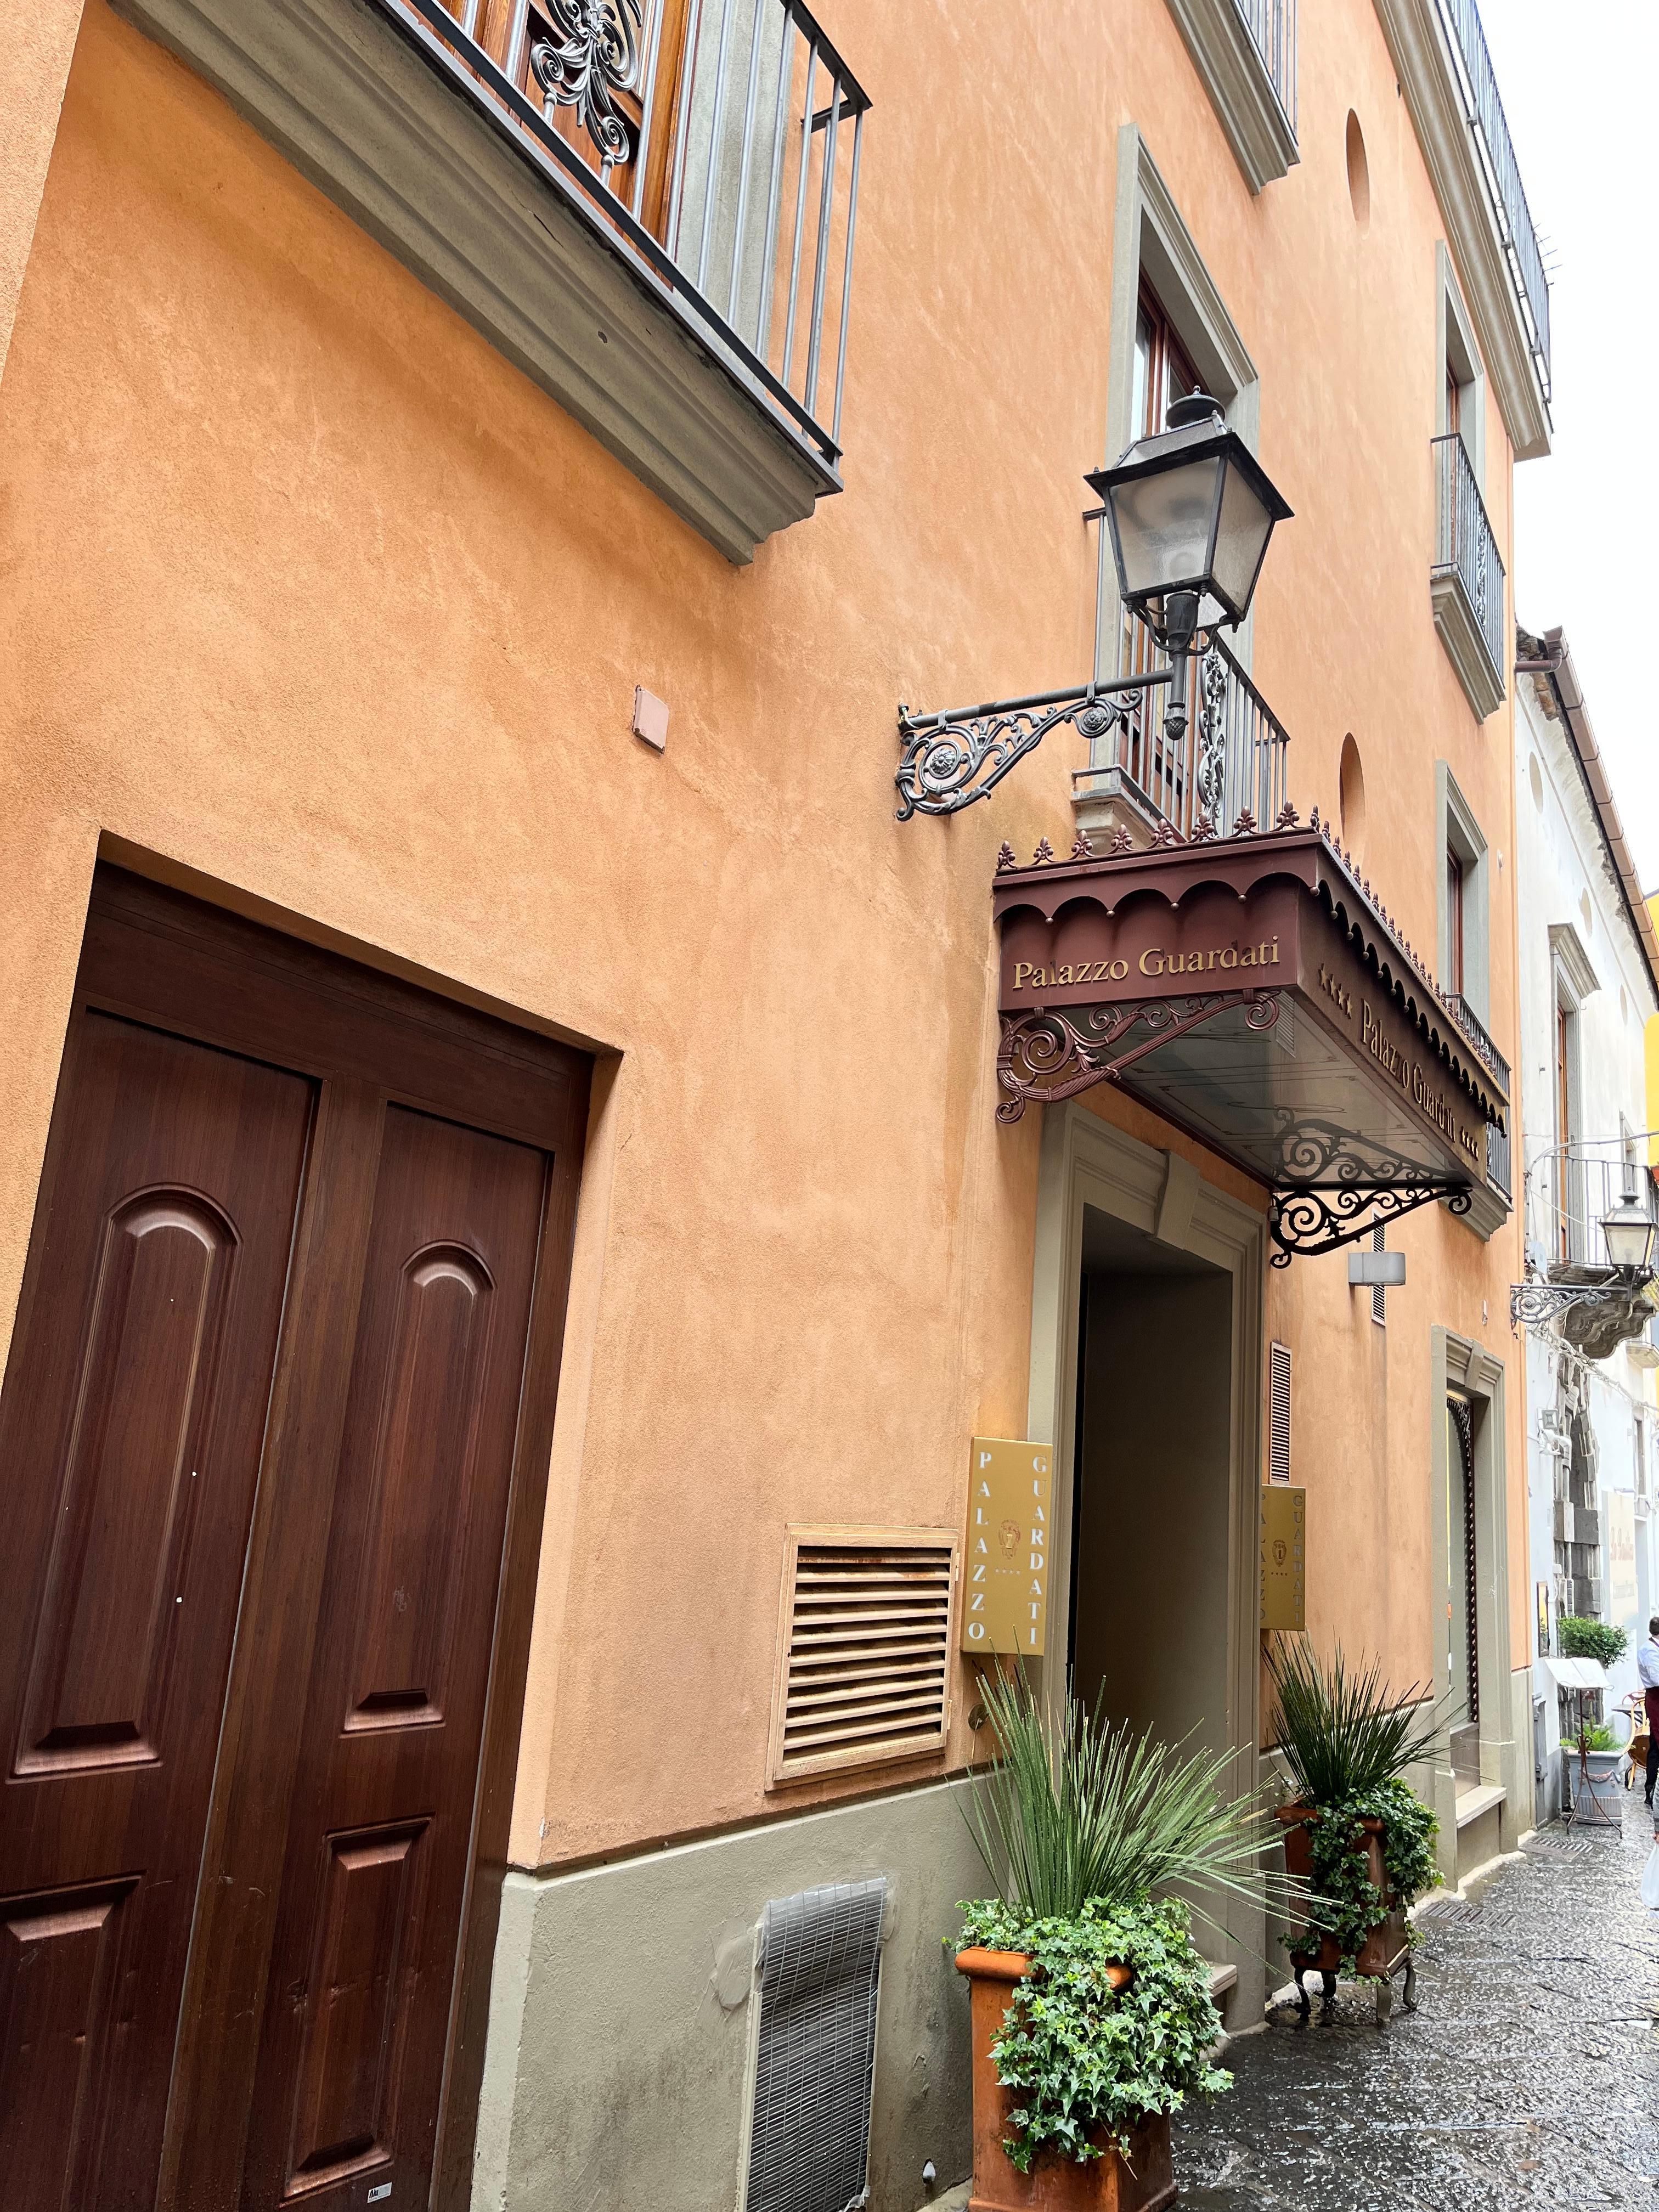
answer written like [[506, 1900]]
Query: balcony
[[1467, 580], [1489, 127], [1497, 1139], [1444, 70], [649, 206], [1223, 754], [1570, 1190], [1245, 53]]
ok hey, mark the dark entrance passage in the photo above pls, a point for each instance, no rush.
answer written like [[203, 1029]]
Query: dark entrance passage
[[1151, 1625], [274, 1430]]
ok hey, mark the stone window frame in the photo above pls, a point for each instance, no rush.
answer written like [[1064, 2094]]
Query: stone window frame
[[1458, 1363], [1151, 243], [1457, 349], [1458, 831]]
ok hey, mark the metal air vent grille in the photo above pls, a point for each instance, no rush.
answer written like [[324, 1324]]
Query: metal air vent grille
[[1279, 1412], [819, 1977], [863, 1657]]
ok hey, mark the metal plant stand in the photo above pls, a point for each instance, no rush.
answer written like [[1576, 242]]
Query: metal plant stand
[[1402, 1957]]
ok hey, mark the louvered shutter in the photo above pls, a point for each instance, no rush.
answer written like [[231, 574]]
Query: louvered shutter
[[1278, 1414], [864, 1661]]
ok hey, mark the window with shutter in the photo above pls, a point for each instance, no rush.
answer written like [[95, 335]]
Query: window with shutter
[[1278, 1414], [863, 1659]]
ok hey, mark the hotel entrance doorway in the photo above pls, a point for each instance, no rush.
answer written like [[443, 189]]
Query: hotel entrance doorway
[[1151, 1625]]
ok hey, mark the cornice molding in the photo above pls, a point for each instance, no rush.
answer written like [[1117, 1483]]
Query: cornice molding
[[1572, 960], [1240, 88], [1424, 67]]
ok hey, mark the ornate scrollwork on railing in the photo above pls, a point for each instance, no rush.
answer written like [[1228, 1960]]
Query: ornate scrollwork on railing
[[600, 55], [1321, 1218], [1038, 1048], [1212, 735], [944, 755]]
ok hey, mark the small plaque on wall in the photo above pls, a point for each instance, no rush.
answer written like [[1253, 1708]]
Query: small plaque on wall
[[1006, 1587], [1284, 1556]]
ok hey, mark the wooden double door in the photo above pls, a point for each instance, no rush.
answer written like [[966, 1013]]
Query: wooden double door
[[273, 1441]]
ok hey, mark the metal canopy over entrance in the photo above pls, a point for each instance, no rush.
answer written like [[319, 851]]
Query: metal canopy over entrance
[[1252, 990]]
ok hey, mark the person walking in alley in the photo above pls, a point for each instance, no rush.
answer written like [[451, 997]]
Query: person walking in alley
[[1647, 1664]]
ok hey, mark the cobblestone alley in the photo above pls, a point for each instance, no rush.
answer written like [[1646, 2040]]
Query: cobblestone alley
[[1528, 2076]]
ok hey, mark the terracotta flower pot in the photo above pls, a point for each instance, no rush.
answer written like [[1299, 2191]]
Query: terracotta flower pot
[[1382, 1947], [1143, 2183]]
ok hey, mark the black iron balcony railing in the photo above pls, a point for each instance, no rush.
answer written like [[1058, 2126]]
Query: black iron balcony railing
[[1489, 127], [1226, 759], [1497, 1141], [1272, 26], [1465, 547], [1475, 1029], [716, 143]]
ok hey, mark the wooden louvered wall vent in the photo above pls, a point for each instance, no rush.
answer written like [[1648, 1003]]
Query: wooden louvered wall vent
[[864, 1648]]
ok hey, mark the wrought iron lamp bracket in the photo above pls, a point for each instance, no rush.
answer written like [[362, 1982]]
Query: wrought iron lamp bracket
[[941, 755], [1531, 1303], [1038, 1048], [1307, 1219]]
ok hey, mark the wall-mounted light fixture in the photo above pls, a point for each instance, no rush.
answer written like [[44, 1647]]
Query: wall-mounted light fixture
[[1628, 1231], [1189, 511]]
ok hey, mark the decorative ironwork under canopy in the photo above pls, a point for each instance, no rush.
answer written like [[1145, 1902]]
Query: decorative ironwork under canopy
[[1252, 990]]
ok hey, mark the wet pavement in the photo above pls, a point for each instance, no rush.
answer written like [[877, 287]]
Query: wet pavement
[[1527, 2076]]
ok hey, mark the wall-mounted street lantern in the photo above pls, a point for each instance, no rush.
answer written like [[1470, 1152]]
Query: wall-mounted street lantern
[[1189, 513], [1628, 1231]]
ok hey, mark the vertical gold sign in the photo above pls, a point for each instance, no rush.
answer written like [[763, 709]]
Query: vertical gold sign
[[1284, 1556], [1010, 1500]]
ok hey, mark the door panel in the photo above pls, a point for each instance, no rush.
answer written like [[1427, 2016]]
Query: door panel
[[273, 1436], [357, 2010], [57, 1962], [130, 1434]]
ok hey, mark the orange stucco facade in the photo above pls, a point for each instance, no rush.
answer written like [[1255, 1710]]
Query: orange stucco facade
[[314, 605]]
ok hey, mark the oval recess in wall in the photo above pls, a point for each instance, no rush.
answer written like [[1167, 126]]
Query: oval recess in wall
[[1587, 910], [1535, 778], [1359, 174], [1351, 795]]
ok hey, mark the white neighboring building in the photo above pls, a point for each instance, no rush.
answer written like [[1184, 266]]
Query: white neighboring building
[[1588, 983]]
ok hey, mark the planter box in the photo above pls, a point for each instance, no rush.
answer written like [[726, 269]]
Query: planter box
[[1143, 2183], [1386, 1944]]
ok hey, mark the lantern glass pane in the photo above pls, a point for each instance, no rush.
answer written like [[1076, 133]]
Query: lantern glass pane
[[1629, 1235], [1240, 541], [1161, 524]]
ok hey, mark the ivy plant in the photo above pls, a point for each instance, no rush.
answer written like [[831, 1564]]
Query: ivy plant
[[1086, 2062], [1349, 1904]]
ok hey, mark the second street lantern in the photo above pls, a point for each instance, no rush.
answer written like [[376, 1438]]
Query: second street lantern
[[1190, 512]]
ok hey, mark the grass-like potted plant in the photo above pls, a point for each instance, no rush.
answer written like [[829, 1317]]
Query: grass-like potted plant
[[1092, 2016], [1354, 1832]]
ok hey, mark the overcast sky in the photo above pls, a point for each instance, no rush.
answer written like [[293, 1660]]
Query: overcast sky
[[1577, 85]]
